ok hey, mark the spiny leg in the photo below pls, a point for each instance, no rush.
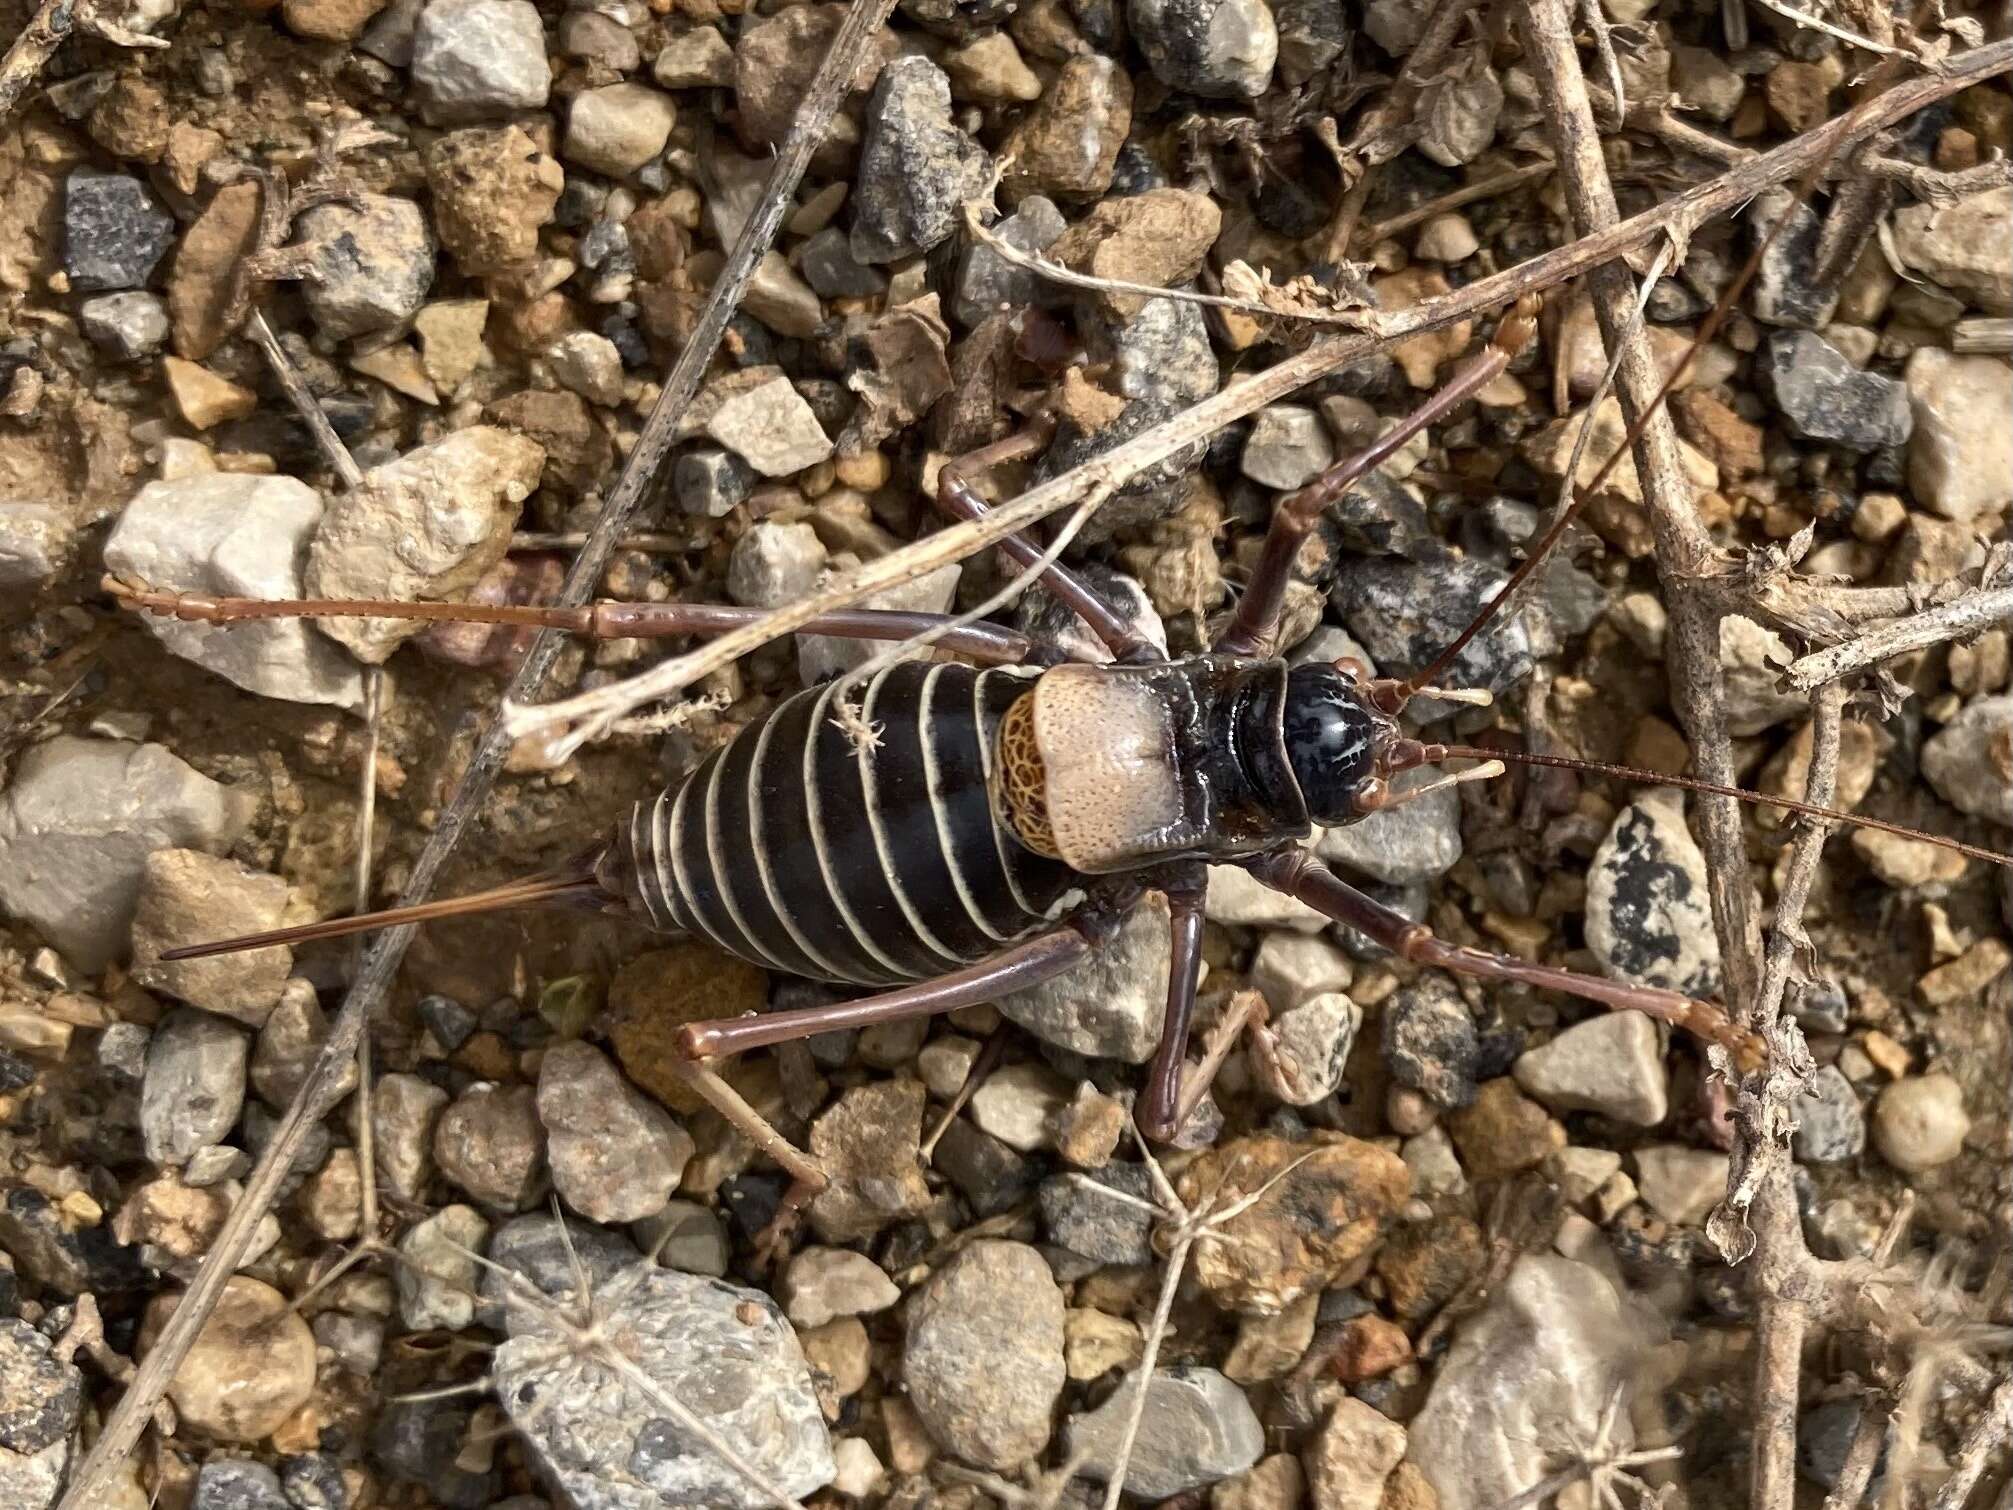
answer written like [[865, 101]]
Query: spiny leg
[[1027, 963], [991, 644], [1254, 625], [1298, 875], [957, 499], [1158, 1113]]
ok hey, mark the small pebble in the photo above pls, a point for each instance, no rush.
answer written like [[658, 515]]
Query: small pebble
[[1217, 49], [616, 1155], [438, 1282], [821, 1284], [252, 1364], [475, 60], [983, 1359], [1612, 1063], [114, 232], [1920, 1122], [1679, 1184], [1351, 1456], [618, 128], [194, 1086], [1196, 1429], [1830, 1126], [372, 262]]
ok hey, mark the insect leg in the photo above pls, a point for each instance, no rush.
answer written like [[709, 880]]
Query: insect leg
[[1256, 621], [957, 499], [987, 643], [1298, 875], [1159, 1103], [1024, 964]]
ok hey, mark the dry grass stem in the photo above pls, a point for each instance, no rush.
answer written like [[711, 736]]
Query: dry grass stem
[[334, 452]]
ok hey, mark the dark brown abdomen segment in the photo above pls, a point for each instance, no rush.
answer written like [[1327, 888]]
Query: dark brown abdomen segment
[[807, 851]]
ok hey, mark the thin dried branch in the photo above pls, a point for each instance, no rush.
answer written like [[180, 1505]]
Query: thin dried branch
[[321, 1088], [1954, 621], [1988, 1436], [1939, 186], [1285, 308], [1818, 23], [588, 714], [1683, 547], [334, 452], [1489, 187], [1985, 335], [32, 48]]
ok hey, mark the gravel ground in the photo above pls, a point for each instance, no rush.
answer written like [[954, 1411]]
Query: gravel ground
[[1429, 1242]]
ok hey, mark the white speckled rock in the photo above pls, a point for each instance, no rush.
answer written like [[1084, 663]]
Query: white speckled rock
[[428, 525], [1648, 918], [475, 60], [235, 534], [723, 1352]]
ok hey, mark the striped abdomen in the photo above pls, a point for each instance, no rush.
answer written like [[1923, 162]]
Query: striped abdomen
[[808, 851]]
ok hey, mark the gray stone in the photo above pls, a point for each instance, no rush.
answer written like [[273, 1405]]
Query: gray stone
[[1314, 1043], [820, 655], [587, 363], [829, 266], [617, 128], [194, 1086], [125, 326], [1919, 1122], [1395, 25], [1289, 968], [1162, 353], [237, 1484], [1786, 289], [1419, 840], [983, 1361], [1458, 121], [1406, 613], [421, 1440], [122, 1051], [986, 281], [774, 564], [698, 59], [290, 1039], [1680, 1184], [356, 1341], [710, 482], [1079, 1212], [1218, 49], [989, 1175], [1288, 447], [1019, 1105], [916, 169], [535, 1247], [33, 1480], [1967, 762], [188, 897], [1824, 1436], [403, 1113], [1612, 1064], [389, 37], [114, 231], [41, 1395], [723, 1352], [616, 1155], [430, 524], [235, 534], [438, 1282], [372, 261], [684, 1235], [823, 1284], [1830, 1126], [1958, 246], [1146, 497], [1312, 35], [1109, 1007], [1197, 1428], [1751, 658], [475, 60], [1430, 1042], [1822, 396], [1545, 1355], [1960, 457], [77, 824], [35, 541], [1240, 900], [490, 1144], [1648, 915], [771, 428], [313, 1481]]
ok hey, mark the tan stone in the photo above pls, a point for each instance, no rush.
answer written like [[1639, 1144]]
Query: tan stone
[[204, 398]]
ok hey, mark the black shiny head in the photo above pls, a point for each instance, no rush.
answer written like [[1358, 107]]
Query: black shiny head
[[1333, 739]]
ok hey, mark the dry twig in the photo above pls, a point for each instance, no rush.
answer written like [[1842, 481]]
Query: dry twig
[[320, 1089], [32, 48], [1954, 621]]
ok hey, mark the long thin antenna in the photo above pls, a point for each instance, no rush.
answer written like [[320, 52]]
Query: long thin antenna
[[568, 885], [1437, 753]]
